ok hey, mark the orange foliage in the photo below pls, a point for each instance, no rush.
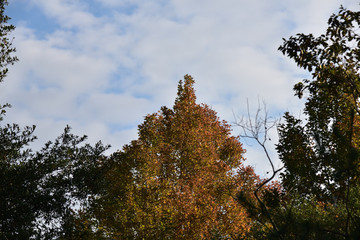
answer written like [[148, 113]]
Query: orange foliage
[[178, 180]]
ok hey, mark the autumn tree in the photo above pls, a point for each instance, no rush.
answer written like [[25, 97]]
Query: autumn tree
[[179, 179], [320, 154]]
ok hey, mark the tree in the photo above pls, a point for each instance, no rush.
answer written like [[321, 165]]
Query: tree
[[326, 146], [6, 48], [39, 189], [320, 180], [178, 180], [329, 138]]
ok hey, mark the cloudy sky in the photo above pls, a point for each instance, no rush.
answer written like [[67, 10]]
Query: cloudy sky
[[102, 65]]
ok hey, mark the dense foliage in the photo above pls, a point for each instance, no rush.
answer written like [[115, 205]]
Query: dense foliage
[[179, 179], [318, 198], [184, 178], [6, 48], [39, 189]]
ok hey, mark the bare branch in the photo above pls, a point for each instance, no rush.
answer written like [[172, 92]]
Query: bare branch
[[258, 128]]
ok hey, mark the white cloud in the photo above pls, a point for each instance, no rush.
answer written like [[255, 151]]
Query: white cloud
[[68, 13], [100, 70]]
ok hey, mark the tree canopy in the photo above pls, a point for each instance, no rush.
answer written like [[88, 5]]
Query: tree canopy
[[179, 179], [39, 189], [319, 191], [184, 176]]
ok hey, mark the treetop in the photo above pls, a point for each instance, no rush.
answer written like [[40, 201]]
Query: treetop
[[186, 91]]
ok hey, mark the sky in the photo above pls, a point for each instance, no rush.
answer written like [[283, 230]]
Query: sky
[[101, 66]]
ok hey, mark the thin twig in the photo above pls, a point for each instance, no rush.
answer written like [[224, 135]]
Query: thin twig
[[254, 130]]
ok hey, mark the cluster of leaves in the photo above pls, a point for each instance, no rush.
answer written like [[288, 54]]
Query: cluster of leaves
[[40, 189], [319, 191], [179, 179], [6, 48], [183, 178]]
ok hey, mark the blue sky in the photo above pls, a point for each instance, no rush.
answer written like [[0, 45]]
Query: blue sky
[[102, 65]]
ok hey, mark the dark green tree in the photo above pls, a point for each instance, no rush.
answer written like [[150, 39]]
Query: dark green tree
[[43, 193], [6, 48], [320, 154], [40, 189]]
